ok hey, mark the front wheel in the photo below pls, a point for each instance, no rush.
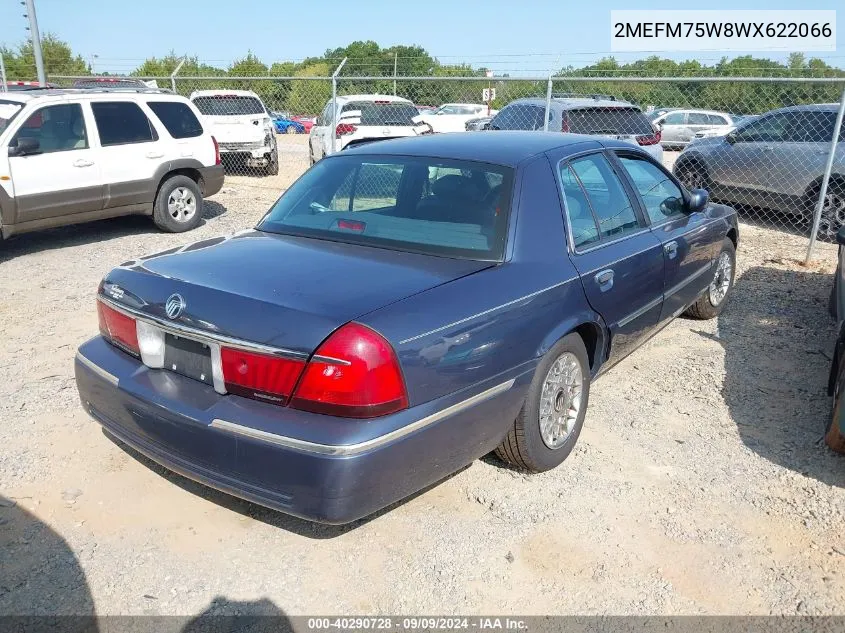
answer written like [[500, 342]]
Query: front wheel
[[833, 436], [550, 421], [833, 210], [692, 176], [712, 302], [272, 168]]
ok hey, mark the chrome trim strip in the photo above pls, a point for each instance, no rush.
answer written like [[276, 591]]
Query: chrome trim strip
[[328, 359], [345, 450], [638, 313], [177, 329], [688, 280], [102, 373], [488, 311]]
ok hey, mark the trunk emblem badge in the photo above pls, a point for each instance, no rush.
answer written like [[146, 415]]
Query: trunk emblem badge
[[174, 306]]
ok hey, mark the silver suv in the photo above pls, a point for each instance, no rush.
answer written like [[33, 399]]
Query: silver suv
[[597, 115], [775, 162]]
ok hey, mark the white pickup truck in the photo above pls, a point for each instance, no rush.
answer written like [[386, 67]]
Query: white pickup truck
[[242, 126]]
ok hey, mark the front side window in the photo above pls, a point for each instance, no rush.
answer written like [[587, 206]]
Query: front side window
[[675, 118], [764, 130], [122, 123], [56, 128], [177, 118], [427, 205], [698, 118], [612, 210], [661, 197]]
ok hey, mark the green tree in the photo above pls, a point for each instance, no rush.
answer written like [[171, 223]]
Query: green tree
[[309, 97], [58, 58]]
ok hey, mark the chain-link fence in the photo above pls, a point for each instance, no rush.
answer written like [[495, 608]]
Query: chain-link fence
[[769, 146]]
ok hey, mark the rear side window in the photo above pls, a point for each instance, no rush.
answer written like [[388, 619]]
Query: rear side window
[[426, 205], [177, 118], [382, 113], [698, 118], [622, 121], [228, 105], [612, 211], [122, 123]]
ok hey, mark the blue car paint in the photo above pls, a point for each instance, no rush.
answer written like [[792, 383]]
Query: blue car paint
[[460, 329], [282, 126]]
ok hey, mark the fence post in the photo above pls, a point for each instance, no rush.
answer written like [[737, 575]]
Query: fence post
[[334, 105], [176, 72], [548, 104], [817, 216], [2, 74], [395, 62]]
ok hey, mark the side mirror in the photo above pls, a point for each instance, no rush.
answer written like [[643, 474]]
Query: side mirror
[[840, 236], [730, 138], [698, 199], [25, 146]]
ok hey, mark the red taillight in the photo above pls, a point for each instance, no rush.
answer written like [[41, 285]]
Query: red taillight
[[646, 139], [216, 151], [344, 128], [564, 127], [352, 225], [353, 374], [259, 376], [118, 328]]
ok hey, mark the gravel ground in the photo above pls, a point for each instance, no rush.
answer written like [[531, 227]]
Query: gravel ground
[[699, 485]]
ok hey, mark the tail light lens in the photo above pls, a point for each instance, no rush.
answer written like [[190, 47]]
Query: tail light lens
[[259, 376], [652, 139], [353, 374], [344, 128], [564, 127], [118, 328], [216, 151]]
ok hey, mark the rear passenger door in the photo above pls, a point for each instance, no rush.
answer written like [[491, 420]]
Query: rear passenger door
[[619, 261], [130, 152], [689, 239]]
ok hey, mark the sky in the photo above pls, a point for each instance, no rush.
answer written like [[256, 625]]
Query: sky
[[528, 37]]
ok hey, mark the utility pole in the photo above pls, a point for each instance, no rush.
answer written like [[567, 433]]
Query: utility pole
[[36, 40], [2, 75], [395, 59], [91, 63]]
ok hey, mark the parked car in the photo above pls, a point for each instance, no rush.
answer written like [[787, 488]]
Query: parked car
[[284, 123], [738, 119], [582, 115], [658, 112], [775, 162], [425, 109], [678, 127], [360, 119], [307, 122], [440, 307], [242, 126], [835, 432], [69, 156], [452, 117], [478, 123]]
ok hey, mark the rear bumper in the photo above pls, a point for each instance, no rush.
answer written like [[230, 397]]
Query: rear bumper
[[212, 178], [315, 467]]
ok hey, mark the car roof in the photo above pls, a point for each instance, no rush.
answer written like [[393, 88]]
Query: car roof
[[508, 148], [66, 94], [810, 107], [223, 91], [372, 97]]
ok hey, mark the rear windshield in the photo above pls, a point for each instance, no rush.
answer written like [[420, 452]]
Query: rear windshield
[[425, 205], [228, 105], [8, 110], [608, 121], [383, 113]]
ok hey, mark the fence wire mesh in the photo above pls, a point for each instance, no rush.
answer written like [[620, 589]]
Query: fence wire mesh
[[762, 145]]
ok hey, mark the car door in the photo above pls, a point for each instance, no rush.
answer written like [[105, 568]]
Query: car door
[[62, 176], [619, 261], [318, 139], [131, 152], [673, 125], [689, 240]]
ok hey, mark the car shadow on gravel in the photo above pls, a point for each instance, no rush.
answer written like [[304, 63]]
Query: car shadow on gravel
[[229, 616], [41, 576], [778, 338], [273, 518], [92, 232]]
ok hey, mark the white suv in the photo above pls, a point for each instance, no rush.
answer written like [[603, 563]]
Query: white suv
[[242, 125], [69, 156], [362, 118]]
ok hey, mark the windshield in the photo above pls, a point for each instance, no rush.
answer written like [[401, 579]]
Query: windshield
[[228, 105], [425, 205], [8, 111]]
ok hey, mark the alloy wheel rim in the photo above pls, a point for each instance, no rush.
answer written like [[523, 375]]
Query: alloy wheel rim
[[560, 400], [182, 204], [721, 280], [833, 214]]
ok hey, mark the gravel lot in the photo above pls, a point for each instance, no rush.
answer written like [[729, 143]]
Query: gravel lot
[[699, 485]]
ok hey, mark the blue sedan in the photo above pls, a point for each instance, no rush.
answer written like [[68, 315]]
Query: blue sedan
[[284, 125], [403, 309]]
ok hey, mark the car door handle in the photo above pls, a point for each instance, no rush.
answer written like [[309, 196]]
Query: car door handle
[[154, 154], [604, 279], [671, 249], [81, 162]]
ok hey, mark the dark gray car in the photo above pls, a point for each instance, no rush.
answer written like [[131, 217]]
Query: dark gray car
[[775, 162]]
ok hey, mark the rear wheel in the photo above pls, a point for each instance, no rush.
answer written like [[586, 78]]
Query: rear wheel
[[833, 209], [550, 421], [712, 302], [178, 205]]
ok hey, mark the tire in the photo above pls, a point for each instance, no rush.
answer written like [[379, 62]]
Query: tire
[[833, 437], [525, 446], [833, 211], [272, 168], [692, 175], [291, 130], [168, 214], [712, 302]]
